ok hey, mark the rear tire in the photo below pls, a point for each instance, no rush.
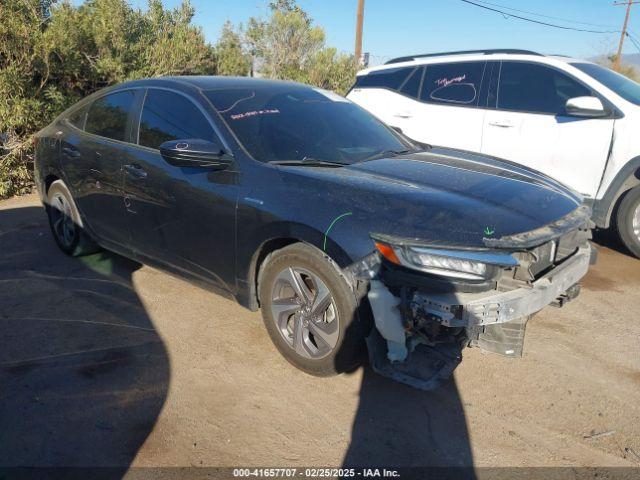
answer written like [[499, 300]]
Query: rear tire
[[310, 311], [628, 221], [66, 223]]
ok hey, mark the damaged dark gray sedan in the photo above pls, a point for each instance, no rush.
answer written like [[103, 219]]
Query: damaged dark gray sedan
[[295, 201]]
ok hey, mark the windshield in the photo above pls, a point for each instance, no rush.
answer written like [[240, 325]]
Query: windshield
[[289, 123], [626, 88]]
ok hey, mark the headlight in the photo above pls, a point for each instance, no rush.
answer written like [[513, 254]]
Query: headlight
[[461, 264], [441, 265]]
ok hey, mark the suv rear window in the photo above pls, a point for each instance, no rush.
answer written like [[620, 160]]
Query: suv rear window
[[453, 83], [108, 115], [391, 78], [411, 86]]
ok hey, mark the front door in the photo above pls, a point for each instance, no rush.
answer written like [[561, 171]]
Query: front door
[[182, 216], [530, 126]]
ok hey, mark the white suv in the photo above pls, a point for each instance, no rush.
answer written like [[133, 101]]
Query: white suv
[[574, 120]]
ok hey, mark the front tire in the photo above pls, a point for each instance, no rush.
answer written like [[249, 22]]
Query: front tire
[[66, 223], [628, 221], [310, 311]]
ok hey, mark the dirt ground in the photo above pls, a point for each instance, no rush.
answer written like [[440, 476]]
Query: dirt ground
[[107, 362]]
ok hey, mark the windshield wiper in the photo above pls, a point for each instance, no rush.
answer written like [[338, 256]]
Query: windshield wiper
[[309, 162]]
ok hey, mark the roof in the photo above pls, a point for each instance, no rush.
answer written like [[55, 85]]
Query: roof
[[461, 52], [468, 55], [210, 82]]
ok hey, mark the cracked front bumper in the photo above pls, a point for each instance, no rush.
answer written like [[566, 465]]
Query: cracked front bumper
[[486, 308]]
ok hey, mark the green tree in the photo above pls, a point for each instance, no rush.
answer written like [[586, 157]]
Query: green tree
[[331, 70], [174, 46], [291, 47], [230, 55], [26, 98], [53, 54], [285, 42]]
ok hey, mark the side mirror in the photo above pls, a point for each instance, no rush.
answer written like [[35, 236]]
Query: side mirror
[[194, 152], [586, 107]]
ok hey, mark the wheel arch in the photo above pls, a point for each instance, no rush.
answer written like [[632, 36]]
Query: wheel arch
[[48, 180], [627, 178], [283, 235]]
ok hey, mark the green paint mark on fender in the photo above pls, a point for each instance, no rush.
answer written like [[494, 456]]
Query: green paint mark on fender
[[346, 214]]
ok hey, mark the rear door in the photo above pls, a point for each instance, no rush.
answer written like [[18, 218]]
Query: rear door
[[450, 111], [182, 216], [529, 125], [93, 162], [439, 104], [383, 93]]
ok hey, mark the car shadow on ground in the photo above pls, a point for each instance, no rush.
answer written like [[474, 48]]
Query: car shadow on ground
[[396, 425], [83, 372], [609, 238]]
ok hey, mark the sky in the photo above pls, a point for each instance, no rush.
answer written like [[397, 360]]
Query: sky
[[401, 27]]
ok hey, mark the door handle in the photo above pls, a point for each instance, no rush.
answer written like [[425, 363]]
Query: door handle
[[135, 170], [402, 115], [71, 152], [501, 123]]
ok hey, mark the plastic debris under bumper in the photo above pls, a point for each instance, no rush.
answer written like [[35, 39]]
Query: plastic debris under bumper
[[426, 368]]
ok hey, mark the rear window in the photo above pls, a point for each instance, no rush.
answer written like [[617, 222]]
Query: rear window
[[453, 83], [78, 118], [411, 86], [108, 115], [391, 78]]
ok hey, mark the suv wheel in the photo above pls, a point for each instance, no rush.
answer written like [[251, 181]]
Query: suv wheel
[[628, 221], [65, 222], [309, 309]]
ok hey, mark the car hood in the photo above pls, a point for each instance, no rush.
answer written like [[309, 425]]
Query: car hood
[[439, 197]]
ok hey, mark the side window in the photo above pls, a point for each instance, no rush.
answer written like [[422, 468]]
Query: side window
[[170, 116], [534, 88], [453, 83], [78, 118], [390, 78], [411, 86], [108, 115]]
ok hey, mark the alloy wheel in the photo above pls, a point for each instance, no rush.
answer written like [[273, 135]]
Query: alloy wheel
[[636, 222], [62, 220], [305, 313]]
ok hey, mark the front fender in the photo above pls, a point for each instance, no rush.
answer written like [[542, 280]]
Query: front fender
[[272, 236]]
